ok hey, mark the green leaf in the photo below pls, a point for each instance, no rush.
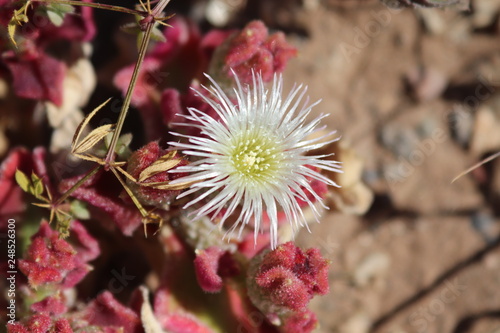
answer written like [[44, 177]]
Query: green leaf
[[18, 17], [37, 185], [22, 180], [11, 29], [63, 224], [56, 12], [56, 18], [122, 145], [79, 210]]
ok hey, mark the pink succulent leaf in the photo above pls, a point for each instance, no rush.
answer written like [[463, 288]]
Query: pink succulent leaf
[[63, 326], [39, 275], [86, 246], [281, 50], [145, 86], [301, 322], [183, 323], [174, 63], [245, 44], [284, 288], [174, 106], [253, 50], [101, 193], [78, 26], [181, 55], [171, 106], [213, 39], [77, 274], [36, 75], [249, 246], [39, 323], [250, 319], [176, 37], [16, 328], [12, 200], [289, 277], [50, 260], [206, 266], [106, 311], [261, 60], [11, 195], [52, 304]]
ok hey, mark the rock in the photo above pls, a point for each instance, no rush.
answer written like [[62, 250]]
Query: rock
[[358, 323], [486, 134], [426, 83], [371, 268]]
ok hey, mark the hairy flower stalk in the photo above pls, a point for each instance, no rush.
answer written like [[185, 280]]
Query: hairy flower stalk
[[252, 160]]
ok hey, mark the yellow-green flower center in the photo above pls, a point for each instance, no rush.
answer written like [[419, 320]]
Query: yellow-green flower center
[[256, 156]]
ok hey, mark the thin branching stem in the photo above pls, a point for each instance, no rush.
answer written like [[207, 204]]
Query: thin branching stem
[[128, 97], [77, 185], [96, 5]]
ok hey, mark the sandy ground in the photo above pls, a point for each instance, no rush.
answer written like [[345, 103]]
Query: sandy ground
[[414, 93]]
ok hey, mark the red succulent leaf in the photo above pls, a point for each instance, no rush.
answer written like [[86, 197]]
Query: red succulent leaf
[[36, 75], [50, 260], [175, 105], [39, 323], [145, 86], [62, 326], [102, 192], [52, 304], [249, 246], [280, 49], [246, 43], [252, 50], [38, 275], [183, 323], [78, 26], [301, 322], [11, 195], [290, 277], [16, 328], [213, 39], [284, 288], [86, 246], [211, 265], [106, 311]]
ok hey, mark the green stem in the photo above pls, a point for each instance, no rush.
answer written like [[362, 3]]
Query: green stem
[[96, 5], [128, 97], [77, 185]]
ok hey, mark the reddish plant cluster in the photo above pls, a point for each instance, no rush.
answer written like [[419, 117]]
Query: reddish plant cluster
[[36, 74], [190, 264]]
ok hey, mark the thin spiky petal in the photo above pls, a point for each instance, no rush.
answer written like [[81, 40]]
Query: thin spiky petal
[[252, 157]]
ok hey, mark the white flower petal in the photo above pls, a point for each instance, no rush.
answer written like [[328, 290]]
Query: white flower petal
[[252, 156]]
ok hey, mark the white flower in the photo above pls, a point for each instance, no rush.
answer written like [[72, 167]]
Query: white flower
[[252, 158]]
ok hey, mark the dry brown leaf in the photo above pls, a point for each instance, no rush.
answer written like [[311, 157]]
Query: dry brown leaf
[[85, 122], [164, 163], [92, 139]]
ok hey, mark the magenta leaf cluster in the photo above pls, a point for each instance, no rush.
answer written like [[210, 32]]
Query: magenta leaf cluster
[[62, 285]]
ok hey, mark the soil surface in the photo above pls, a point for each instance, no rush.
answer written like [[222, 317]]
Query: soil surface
[[414, 93]]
